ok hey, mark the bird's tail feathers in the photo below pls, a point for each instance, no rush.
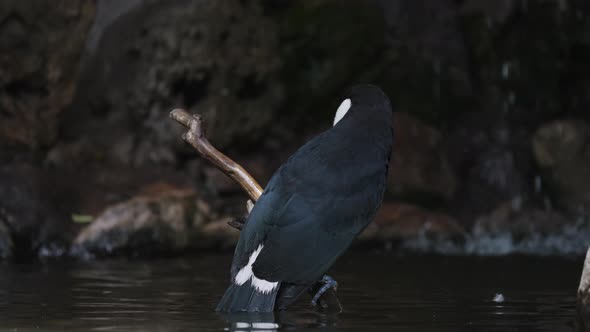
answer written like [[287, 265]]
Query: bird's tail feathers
[[247, 298]]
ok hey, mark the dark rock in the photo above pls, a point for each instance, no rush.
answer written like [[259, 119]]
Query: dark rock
[[493, 161], [29, 212], [419, 166], [562, 151], [215, 58], [41, 43]]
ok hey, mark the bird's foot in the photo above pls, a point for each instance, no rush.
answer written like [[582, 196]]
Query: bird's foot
[[327, 282]]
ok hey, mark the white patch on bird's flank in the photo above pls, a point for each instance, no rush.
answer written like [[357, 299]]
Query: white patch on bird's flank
[[263, 286], [342, 110], [246, 273]]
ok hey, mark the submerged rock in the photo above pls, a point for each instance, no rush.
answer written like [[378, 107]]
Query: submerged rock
[[161, 222]]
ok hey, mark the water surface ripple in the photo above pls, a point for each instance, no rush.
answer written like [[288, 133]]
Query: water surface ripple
[[378, 291]]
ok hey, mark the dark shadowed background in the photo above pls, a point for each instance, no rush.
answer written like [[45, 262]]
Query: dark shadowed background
[[492, 150]]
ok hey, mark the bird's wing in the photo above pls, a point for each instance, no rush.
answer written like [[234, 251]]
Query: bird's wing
[[278, 193], [305, 240], [295, 217]]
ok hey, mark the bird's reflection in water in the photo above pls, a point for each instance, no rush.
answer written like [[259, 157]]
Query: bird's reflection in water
[[273, 321]]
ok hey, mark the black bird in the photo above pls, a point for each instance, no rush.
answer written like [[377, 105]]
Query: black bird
[[313, 207]]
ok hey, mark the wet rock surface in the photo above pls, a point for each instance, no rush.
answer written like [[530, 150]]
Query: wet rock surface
[[166, 221]]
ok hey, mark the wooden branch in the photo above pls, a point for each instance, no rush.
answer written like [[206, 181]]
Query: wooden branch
[[196, 137]]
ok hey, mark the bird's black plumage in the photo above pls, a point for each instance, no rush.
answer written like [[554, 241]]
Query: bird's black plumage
[[313, 207]]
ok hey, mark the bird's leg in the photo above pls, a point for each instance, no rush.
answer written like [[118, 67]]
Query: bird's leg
[[321, 287]]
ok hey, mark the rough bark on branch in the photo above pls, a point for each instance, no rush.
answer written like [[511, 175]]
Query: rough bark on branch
[[197, 139]]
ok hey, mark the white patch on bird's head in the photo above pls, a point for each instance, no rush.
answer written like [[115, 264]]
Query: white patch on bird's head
[[342, 110]]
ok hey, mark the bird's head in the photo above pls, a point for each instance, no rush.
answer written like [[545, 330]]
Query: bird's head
[[364, 105]]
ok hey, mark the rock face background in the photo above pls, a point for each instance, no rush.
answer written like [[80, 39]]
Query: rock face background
[[492, 151]]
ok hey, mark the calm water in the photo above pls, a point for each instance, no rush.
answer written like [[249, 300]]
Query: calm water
[[380, 291]]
